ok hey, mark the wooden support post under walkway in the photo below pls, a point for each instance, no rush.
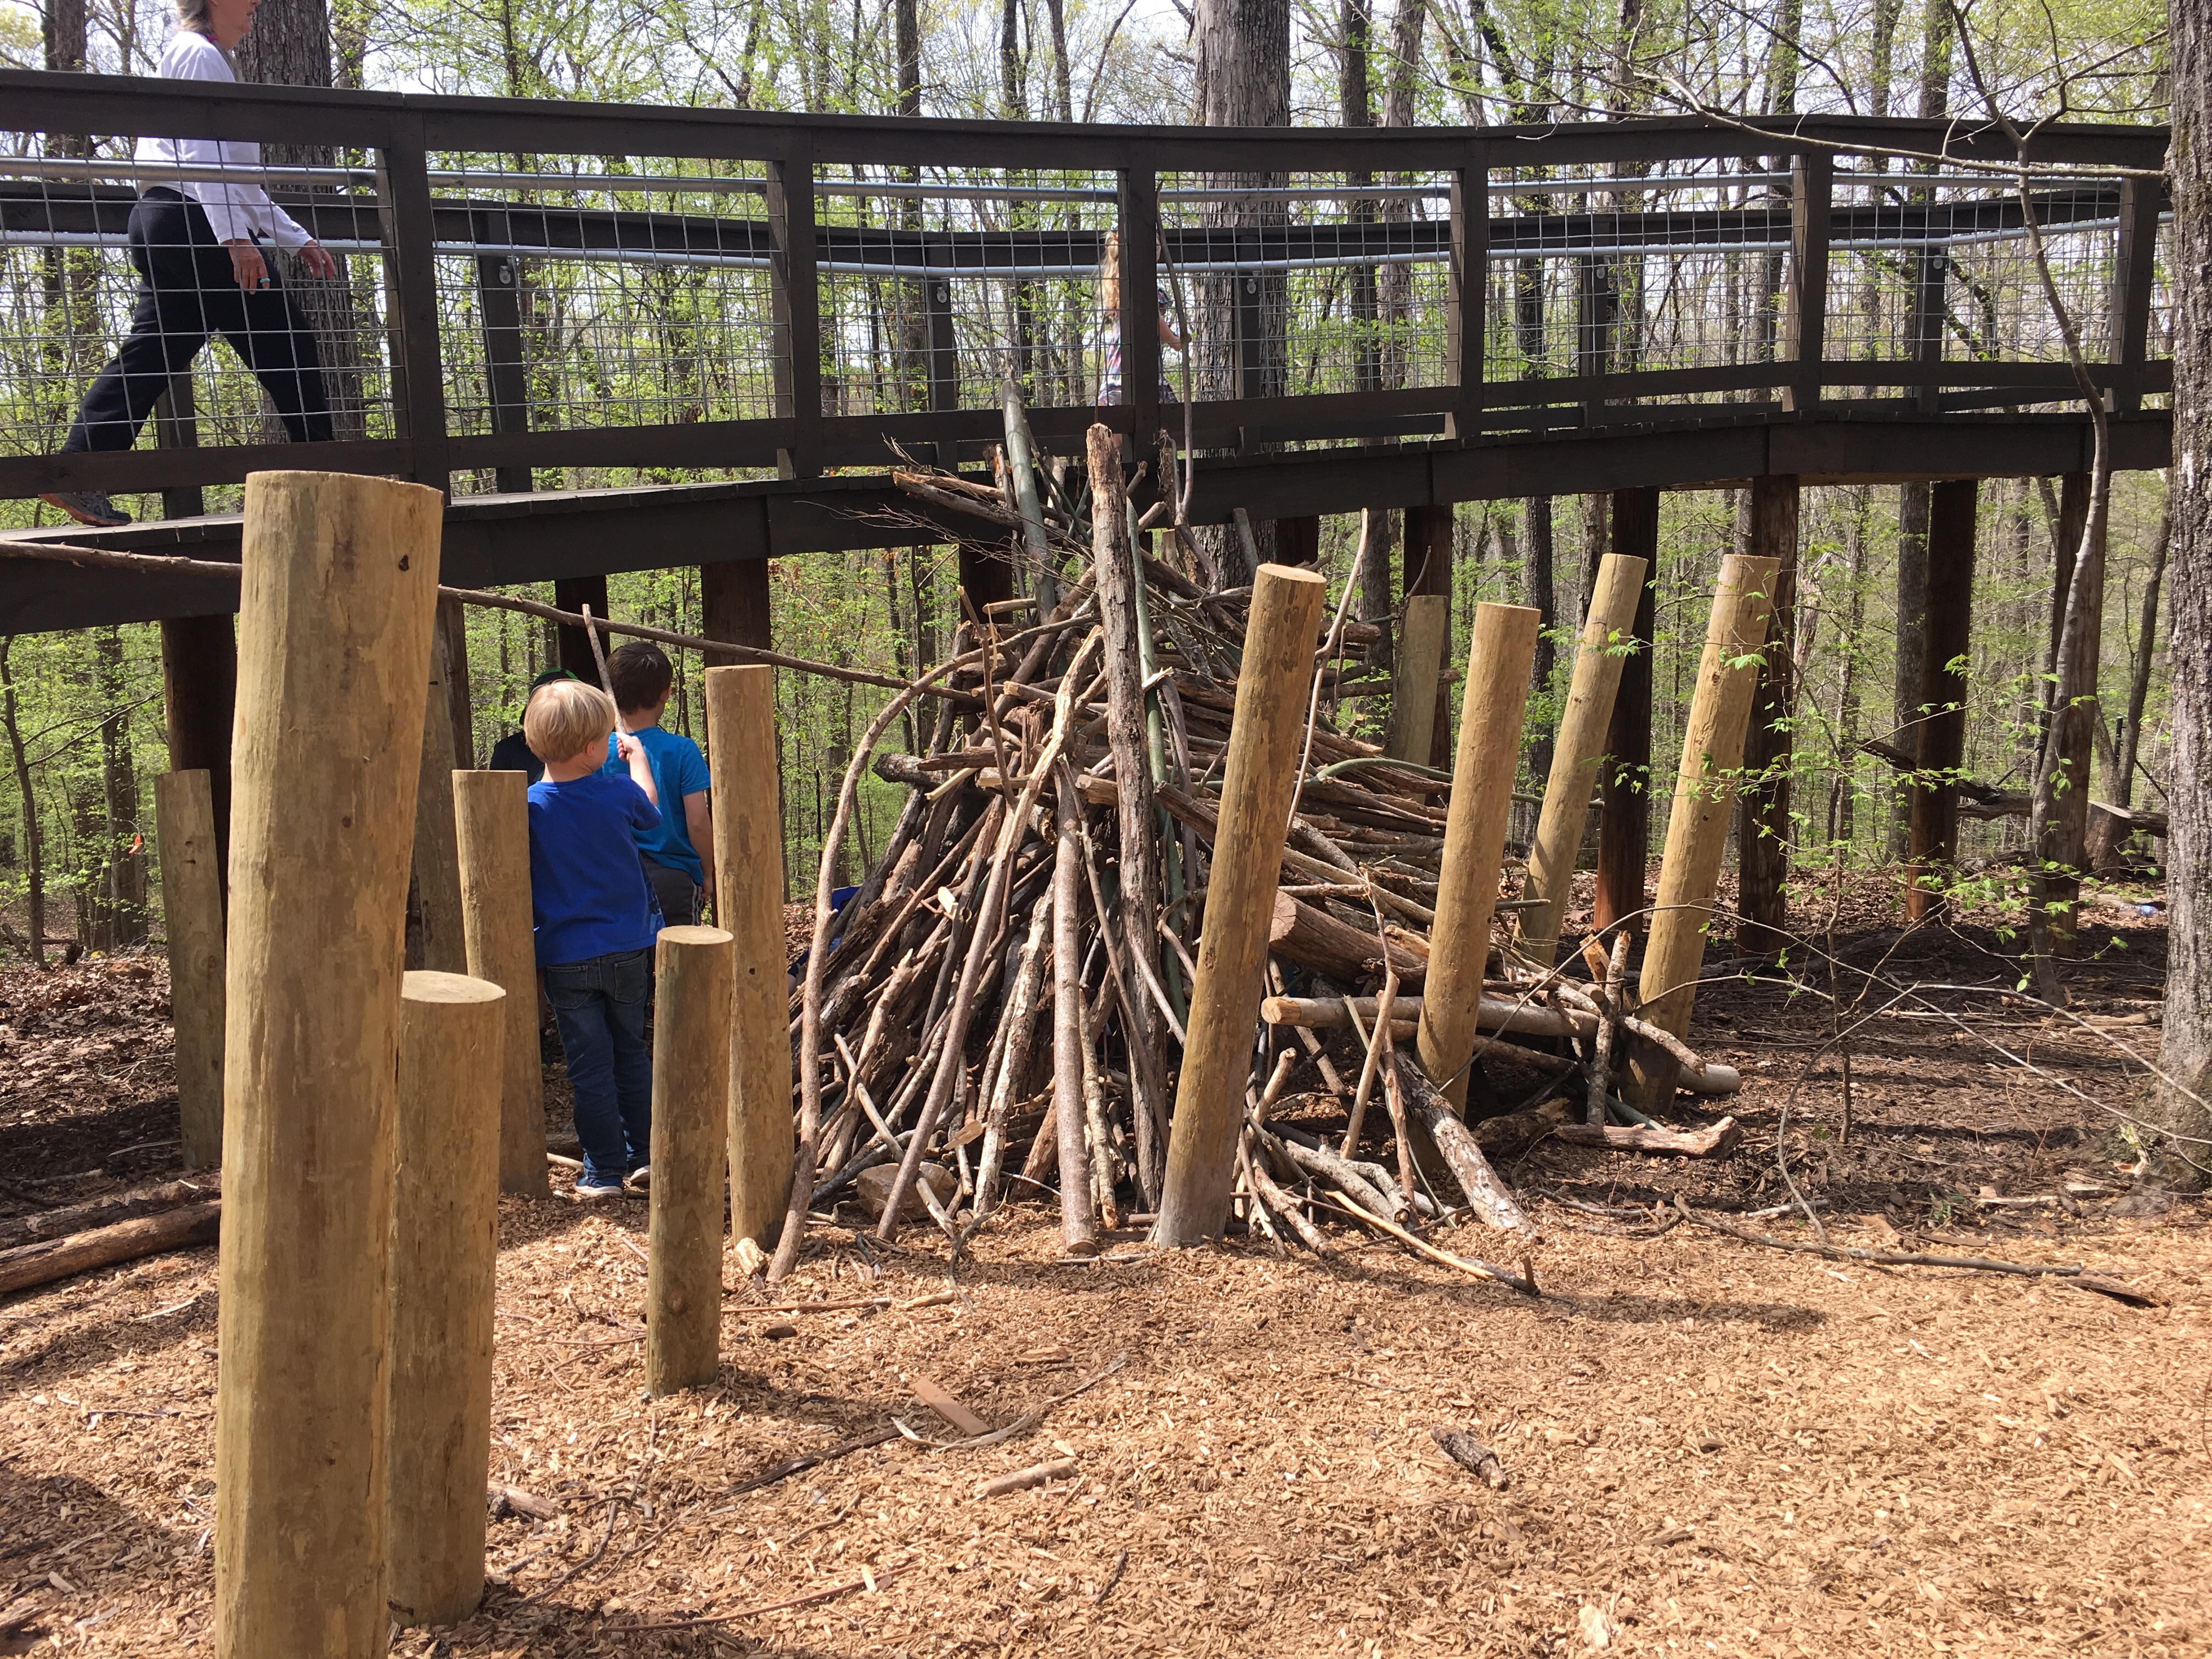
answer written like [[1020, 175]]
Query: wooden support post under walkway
[[191, 908], [1575, 756], [339, 585], [1257, 787], [1415, 677], [199, 692], [1496, 700], [1763, 823], [574, 593], [749, 904], [690, 1131], [733, 606], [1697, 826], [1941, 730], [491, 818], [445, 1246], [1428, 572], [1624, 847]]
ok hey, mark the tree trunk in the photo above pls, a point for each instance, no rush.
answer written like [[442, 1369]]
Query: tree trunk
[[2123, 785], [34, 870], [2181, 1159], [1911, 639], [289, 45]]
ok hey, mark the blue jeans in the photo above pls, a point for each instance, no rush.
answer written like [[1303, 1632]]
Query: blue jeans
[[600, 1005]]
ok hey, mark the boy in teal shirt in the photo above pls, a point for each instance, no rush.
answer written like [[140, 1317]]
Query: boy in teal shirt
[[677, 849]]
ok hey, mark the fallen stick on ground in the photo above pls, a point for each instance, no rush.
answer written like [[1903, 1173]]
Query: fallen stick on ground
[[1527, 1285], [784, 1471], [1717, 1141], [2074, 1273], [1025, 1422], [1037, 1474], [30, 1264], [112, 1208], [868, 1580]]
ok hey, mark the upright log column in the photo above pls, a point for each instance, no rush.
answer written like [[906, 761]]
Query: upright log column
[[1696, 828], [1942, 750], [749, 904], [690, 1128], [339, 587], [1256, 790], [491, 819], [1497, 699], [445, 1246], [1624, 780], [1763, 828], [1415, 677], [1583, 726], [192, 905]]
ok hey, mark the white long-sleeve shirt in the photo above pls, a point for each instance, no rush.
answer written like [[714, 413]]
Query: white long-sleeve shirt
[[234, 207]]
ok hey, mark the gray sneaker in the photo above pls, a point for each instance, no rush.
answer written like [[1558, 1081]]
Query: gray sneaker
[[89, 507]]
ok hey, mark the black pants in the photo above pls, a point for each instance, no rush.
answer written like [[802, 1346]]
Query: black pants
[[186, 292]]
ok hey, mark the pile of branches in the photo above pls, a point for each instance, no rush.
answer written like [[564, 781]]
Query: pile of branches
[[1001, 1004]]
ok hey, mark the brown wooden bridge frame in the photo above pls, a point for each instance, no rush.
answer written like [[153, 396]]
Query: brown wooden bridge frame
[[1422, 449]]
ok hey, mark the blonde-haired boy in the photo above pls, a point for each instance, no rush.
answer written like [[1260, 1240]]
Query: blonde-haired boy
[[595, 920]]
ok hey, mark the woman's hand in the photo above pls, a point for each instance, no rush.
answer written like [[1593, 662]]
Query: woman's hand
[[317, 260], [247, 265]]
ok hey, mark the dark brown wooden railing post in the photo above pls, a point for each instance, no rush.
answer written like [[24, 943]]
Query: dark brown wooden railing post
[[2141, 202], [944, 344], [795, 280], [1467, 298], [1137, 196], [1810, 202], [507, 375], [1251, 312], [418, 375], [1931, 276]]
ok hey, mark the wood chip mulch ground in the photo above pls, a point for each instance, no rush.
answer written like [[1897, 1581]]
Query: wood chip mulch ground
[[1708, 1447]]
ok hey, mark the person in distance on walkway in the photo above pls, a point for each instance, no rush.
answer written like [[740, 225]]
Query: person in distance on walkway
[[512, 752], [676, 850], [596, 919], [196, 244]]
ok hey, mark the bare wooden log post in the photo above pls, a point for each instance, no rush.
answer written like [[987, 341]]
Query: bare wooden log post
[[1414, 678], [1078, 1213], [1498, 660], [1256, 788], [339, 586], [192, 905], [694, 967], [1120, 614], [491, 821], [437, 856], [445, 1246], [749, 904], [1580, 746], [1697, 829]]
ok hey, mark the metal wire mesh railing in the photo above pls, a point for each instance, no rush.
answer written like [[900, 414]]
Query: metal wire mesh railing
[[575, 298]]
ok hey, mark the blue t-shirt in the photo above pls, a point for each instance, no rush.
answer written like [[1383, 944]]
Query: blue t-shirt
[[678, 769], [587, 891]]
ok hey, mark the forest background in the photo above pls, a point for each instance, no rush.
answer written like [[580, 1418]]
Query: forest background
[[85, 710]]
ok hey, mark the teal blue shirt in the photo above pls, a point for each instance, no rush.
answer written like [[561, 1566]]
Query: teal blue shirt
[[678, 769]]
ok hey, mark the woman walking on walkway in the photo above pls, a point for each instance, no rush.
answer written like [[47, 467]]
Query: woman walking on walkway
[[201, 272]]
